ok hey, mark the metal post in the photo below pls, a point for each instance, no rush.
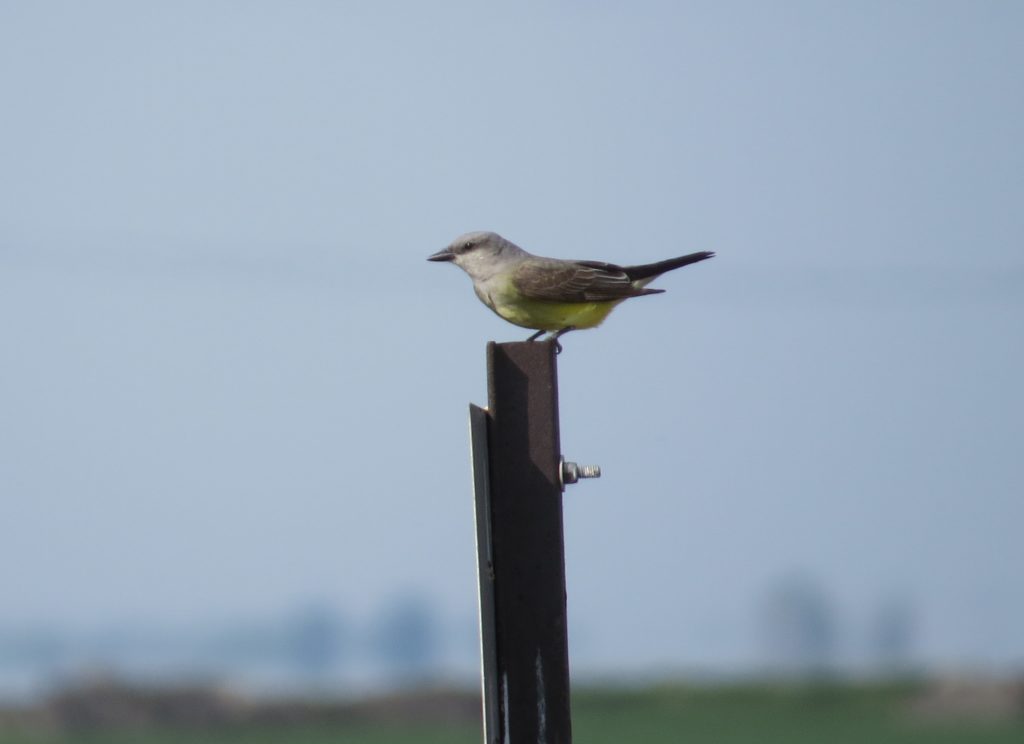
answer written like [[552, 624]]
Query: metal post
[[521, 557]]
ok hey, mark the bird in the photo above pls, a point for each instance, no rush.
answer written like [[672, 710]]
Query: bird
[[550, 295]]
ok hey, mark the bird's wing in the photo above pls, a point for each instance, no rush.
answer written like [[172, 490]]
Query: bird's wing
[[574, 281]]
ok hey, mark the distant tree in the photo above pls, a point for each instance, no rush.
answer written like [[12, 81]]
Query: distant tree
[[407, 638], [315, 640], [799, 627], [38, 648], [891, 635]]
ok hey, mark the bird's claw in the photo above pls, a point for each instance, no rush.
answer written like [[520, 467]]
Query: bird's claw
[[554, 337]]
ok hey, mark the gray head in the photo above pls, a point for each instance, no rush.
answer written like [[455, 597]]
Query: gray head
[[480, 254]]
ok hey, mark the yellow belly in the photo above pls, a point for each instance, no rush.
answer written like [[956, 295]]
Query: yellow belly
[[553, 316]]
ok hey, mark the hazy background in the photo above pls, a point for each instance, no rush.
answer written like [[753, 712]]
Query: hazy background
[[233, 394]]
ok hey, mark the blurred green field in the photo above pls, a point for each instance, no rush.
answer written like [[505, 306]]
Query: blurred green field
[[662, 715]]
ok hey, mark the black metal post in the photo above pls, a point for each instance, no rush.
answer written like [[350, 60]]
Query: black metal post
[[521, 557]]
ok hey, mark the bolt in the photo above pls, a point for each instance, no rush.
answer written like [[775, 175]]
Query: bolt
[[571, 472]]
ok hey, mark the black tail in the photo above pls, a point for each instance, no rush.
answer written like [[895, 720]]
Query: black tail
[[648, 270]]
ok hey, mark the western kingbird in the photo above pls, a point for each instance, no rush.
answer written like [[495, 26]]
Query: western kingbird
[[550, 295]]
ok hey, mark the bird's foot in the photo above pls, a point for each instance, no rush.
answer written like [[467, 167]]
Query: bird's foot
[[553, 337], [556, 334]]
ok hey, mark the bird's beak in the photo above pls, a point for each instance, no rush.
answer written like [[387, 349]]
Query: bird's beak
[[445, 255]]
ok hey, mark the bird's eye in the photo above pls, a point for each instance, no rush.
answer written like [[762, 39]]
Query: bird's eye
[[466, 247]]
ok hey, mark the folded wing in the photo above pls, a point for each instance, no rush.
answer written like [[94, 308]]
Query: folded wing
[[575, 281]]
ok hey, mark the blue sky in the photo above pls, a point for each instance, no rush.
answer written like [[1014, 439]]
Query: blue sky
[[230, 383]]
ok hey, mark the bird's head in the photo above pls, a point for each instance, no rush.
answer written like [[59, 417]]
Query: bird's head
[[479, 254]]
